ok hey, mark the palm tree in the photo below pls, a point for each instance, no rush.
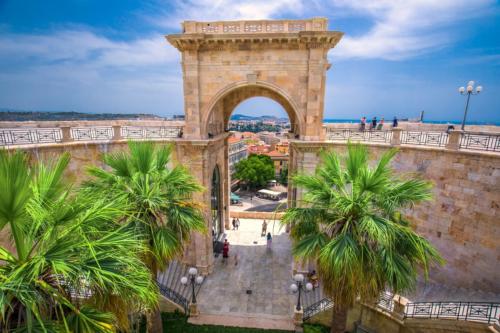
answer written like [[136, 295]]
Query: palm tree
[[350, 224], [69, 271], [159, 199]]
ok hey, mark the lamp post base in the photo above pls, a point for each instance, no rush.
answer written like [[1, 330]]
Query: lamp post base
[[193, 310], [298, 316]]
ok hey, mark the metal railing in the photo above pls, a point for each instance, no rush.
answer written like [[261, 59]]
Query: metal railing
[[386, 301], [438, 139], [317, 308], [480, 141], [24, 136], [484, 312], [100, 133], [31, 136], [149, 132], [174, 297], [346, 134], [470, 311]]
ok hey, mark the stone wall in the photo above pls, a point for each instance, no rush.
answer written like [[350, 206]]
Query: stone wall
[[462, 219], [377, 320]]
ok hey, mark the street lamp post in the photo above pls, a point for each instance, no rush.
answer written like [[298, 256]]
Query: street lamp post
[[468, 91], [194, 280], [298, 286]]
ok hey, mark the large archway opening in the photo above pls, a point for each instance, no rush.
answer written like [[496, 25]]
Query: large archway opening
[[222, 106], [258, 156]]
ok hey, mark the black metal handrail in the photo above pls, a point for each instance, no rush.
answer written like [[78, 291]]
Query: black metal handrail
[[427, 138], [344, 134], [316, 308], [480, 141], [470, 311], [174, 297]]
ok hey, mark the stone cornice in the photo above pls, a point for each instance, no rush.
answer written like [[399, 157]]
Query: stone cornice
[[303, 39]]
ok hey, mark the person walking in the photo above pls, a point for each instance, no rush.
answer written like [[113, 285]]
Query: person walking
[[237, 223], [269, 240], [225, 251], [395, 122], [234, 223], [264, 228]]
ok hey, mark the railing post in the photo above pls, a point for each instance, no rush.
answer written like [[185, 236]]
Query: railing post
[[396, 137], [454, 140], [66, 134], [117, 133], [400, 303]]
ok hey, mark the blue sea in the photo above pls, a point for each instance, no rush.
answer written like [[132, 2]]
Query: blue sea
[[331, 120]]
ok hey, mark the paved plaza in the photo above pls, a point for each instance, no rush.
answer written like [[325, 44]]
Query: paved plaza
[[258, 284]]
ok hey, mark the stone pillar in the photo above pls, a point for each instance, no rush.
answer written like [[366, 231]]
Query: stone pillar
[[396, 137], [117, 133], [66, 134], [454, 140], [399, 306]]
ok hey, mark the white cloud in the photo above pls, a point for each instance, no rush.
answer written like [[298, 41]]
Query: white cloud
[[84, 71], [213, 10], [83, 46], [404, 29]]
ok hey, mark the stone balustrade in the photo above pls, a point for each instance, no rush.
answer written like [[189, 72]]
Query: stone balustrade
[[454, 140], [255, 26], [60, 135]]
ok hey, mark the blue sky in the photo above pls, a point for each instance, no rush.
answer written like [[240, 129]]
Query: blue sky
[[396, 58]]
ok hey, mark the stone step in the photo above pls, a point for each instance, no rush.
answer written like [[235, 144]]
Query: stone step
[[261, 321]]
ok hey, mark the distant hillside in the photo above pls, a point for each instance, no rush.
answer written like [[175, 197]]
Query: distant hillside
[[260, 118], [10, 115]]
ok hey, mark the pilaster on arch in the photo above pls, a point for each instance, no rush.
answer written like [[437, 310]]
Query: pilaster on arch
[[230, 96]]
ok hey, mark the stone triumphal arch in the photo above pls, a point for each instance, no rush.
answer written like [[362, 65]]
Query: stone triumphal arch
[[227, 62]]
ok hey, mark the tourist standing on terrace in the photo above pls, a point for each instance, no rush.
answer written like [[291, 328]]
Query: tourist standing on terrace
[[373, 125], [380, 124], [395, 122], [362, 124]]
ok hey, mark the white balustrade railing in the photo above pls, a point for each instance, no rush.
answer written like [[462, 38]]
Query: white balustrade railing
[[453, 140], [34, 136]]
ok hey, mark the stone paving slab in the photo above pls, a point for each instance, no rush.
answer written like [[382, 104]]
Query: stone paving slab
[[266, 273]]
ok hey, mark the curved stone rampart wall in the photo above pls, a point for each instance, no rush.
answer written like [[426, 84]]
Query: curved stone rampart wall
[[462, 221]]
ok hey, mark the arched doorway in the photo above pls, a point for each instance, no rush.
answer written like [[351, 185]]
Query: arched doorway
[[216, 205]]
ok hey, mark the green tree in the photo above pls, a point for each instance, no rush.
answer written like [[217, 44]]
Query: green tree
[[68, 270], [159, 199], [255, 171], [351, 226], [283, 178]]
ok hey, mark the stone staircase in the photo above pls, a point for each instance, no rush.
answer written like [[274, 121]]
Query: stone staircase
[[169, 283]]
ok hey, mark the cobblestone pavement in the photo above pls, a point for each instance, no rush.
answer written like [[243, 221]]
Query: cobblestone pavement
[[266, 273]]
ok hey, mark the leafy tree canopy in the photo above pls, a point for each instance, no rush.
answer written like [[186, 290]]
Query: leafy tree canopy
[[255, 171]]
